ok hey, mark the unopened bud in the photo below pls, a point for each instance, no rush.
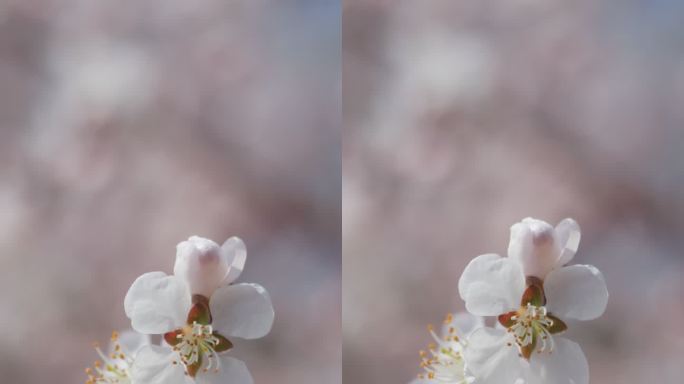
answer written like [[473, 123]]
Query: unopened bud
[[202, 263], [533, 243]]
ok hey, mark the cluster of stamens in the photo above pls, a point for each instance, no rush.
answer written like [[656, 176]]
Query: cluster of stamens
[[532, 326], [532, 322], [443, 361], [112, 368], [194, 342]]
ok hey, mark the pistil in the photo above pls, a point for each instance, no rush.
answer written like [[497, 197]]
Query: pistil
[[532, 326], [197, 340]]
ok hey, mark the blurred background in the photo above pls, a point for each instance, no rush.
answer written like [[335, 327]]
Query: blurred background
[[126, 127], [463, 117]]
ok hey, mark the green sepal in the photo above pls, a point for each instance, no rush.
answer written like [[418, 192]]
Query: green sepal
[[192, 369], [534, 295], [199, 312], [506, 319], [527, 350], [172, 337], [223, 345], [558, 325]]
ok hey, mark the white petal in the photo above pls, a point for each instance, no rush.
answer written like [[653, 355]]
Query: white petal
[[491, 285], [577, 292], [232, 371], [131, 342], [565, 365], [424, 381], [568, 236], [236, 251], [242, 310], [202, 264], [154, 365], [533, 245], [520, 243], [491, 360], [465, 324], [157, 303]]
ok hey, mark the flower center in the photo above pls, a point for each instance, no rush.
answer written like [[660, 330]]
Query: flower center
[[197, 343], [112, 368], [444, 361], [532, 322], [532, 325], [194, 342]]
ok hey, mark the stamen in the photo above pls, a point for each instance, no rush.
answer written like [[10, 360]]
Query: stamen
[[444, 362], [531, 324], [198, 340], [113, 368]]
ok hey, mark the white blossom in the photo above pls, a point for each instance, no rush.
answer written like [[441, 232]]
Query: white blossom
[[196, 310], [443, 362], [114, 366], [532, 293]]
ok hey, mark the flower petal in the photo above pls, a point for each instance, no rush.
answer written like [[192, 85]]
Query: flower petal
[[520, 243], [157, 303], [491, 285], [424, 380], [242, 310], [464, 324], [577, 292], [489, 357], [565, 365], [533, 245], [154, 365], [131, 342], [568, 236], [202, 264], [231, 371], [236, 251]]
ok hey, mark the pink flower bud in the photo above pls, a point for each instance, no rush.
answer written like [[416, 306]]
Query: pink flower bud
[[202, 264], [533, 243]]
